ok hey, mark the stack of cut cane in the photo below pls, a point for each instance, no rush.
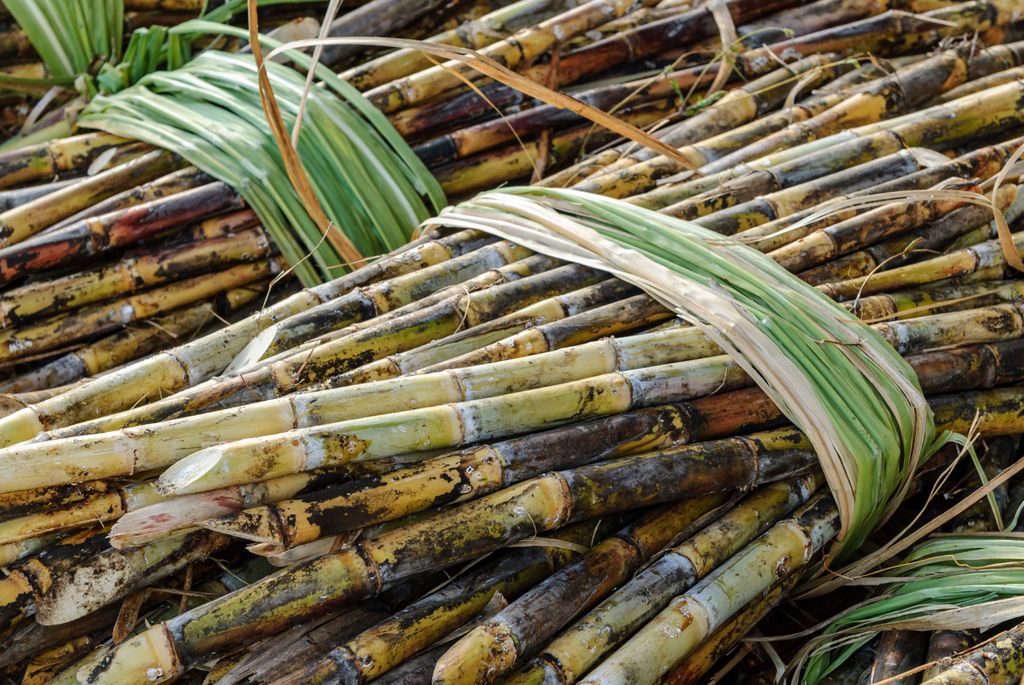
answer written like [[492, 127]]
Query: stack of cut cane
[[476, 462]]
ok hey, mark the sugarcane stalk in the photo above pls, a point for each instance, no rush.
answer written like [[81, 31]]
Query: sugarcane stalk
[[33, 638], [909, 303], [270, 659], [703, 152], [97, 235], [573, 653], [16, 551], [178, 181], [374, 300], [933, 238], [14, 43], [132, 342], [531, 42], [777, 192], [74, 593], [739, 106], [198, 360], [898, 651], [19, 223], [415, 671], [985, 261], [551, 311], [491, 649], [250, 357], [100, 508], [25, 467], [473, 139], [103, 318], [158, 517], [749, 181], [903, 90], [463, 532], [476, 34], [944, 126], [524, 45], [979, 84], [46, 160], [971, 238], [632, 44], [612, 319], [383, 647], [980, 164], [141, 269], [450, 426], [866, 103], [719, 643], [577, 650], [261, 458], [893, 32], [147, 523], [944, 644], [376, 498], [493, 167], [639, 17], [452, 17], [182, 436], [365, 344], [809, 18], [36, 575], [376, 18], [679, 628], [45, 665], [479, 471], [997, 662], [9, 199], [868, 228], [744, 216], [997, 58]]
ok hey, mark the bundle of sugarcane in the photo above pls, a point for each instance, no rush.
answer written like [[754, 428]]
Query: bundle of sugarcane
[[112, 193], [464, 341], [55, 250], [530, 321], [38, 244]]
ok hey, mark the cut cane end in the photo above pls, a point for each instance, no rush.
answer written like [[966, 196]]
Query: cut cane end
[[481, 656], [259, 525], [19, 426], [144, 659], [156, 520], [192, 474]]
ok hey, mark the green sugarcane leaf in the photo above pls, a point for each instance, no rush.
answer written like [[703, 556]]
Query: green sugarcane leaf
[[956, 582], [836, 378], [209, 112]]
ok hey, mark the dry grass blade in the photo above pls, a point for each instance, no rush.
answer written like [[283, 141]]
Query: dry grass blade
[[491, 68], [727, 33], [296, 172], [1013, 257]]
